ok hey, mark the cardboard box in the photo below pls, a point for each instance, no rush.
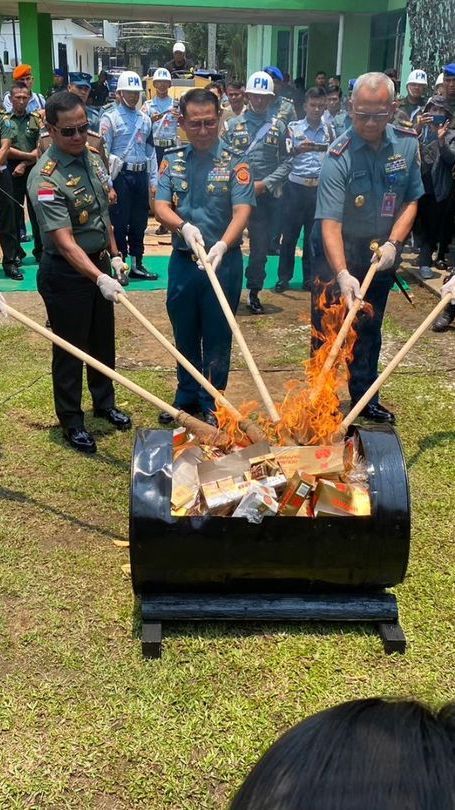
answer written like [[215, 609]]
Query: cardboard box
[[258, 503], [317, 460], [340, 500]]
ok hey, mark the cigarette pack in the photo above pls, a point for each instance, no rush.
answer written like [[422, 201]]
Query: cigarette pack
[[257, 504], [298, 489], [339, 499], [226, 492], [317, 460]]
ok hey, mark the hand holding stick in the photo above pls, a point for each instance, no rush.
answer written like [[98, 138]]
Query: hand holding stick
[[252, 367], [346, 325]]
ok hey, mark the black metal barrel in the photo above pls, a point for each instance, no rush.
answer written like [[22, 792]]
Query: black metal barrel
[[286, 555]]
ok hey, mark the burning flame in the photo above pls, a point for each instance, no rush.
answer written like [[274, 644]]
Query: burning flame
[[304, 417]]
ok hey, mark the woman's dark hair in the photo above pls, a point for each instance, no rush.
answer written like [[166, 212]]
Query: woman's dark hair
[[200, 95], [61, 102], [369, 754]]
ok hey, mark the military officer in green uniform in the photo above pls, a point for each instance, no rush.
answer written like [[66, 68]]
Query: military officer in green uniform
[[281, 107], [22, 157], [205, 195], [8, 239], [262, 141], [368, 189], [68, 188]]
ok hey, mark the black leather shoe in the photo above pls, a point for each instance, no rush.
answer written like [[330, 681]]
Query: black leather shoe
[[377, 413], [165, 418], [254, 304], [80, 439], [141, 272], [444, 320], [210, 418], [26, 237], [281, 286], [120, 420], [13, 272]]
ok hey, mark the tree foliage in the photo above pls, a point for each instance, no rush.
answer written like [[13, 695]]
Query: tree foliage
[[231, 47]]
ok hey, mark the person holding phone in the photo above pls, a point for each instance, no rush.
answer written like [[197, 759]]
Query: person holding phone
[[308, 143], [437, 147]]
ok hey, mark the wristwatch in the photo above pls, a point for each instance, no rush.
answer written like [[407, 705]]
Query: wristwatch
[[178, 230]]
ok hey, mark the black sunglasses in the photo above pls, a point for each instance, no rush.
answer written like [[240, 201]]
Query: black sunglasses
[[70, 132]]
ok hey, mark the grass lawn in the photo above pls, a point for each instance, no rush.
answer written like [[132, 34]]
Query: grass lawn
[[84, 721]]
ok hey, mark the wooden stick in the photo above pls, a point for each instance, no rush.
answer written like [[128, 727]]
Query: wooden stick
[[252, 367], [206, 433], [346, 325], [252, 430], [352, 415]]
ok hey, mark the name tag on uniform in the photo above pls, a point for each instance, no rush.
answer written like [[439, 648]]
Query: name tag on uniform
[[389, 204]]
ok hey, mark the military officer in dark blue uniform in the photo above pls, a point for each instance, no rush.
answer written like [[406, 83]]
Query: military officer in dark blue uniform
[[205, 195], [368, 190]]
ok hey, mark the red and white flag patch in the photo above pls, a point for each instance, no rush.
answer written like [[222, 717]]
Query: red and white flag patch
[[46, 195]]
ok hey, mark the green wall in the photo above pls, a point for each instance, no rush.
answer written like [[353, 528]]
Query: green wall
[[356, 47], [36, 44], [322, 50]]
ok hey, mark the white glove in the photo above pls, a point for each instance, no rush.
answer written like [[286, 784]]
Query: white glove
[[388, 256], [349, 286], [109, 287], [215, 255], [192, 236], [2, 306], [448, 287], [119, 267]]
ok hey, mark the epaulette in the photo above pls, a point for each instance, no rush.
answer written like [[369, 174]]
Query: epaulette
[[338, 148], [94, 134], [176, 149], [406, 129], [48, 168]]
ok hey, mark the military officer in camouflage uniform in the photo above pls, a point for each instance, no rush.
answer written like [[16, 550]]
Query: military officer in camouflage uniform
[[68, 188], [368, 189], [261, 141], [204, 196], [22, 157], [8, 239]]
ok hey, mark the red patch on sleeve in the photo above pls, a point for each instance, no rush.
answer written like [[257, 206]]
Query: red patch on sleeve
[[242, 173]]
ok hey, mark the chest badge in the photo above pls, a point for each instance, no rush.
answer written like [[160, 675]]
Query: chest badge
[[83, 217], [72, 181], [184, 185], [359, 201], [175, 200]]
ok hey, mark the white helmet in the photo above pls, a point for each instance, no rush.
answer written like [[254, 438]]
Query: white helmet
[[260, 83], [417, 77], [439, 80], [128, 80], [162, 75], [179, 47]]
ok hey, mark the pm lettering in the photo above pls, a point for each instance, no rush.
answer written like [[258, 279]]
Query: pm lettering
[[132, 80], [261, 82]]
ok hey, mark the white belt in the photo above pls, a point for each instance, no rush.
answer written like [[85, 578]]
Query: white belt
[[309, 182], [135, 167]]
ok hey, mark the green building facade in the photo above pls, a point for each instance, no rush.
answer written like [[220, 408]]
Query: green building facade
[[300, 36]]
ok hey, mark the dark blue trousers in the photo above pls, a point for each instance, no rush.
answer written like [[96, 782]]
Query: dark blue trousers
[[129, 215], [299, 208], [363, 370], [260, 228], [201, 331]]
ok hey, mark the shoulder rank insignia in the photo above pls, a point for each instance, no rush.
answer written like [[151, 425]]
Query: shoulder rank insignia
[[406, 129], [339, 148], [48, 168]]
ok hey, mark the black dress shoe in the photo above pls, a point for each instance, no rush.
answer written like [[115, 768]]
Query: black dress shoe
[[120, 420], [13, 272], [165, 418], [26, 237], [80, 439], [254, 304], [377, 413], [141, 272], [444, 320], [210, 418], [281, 286]]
